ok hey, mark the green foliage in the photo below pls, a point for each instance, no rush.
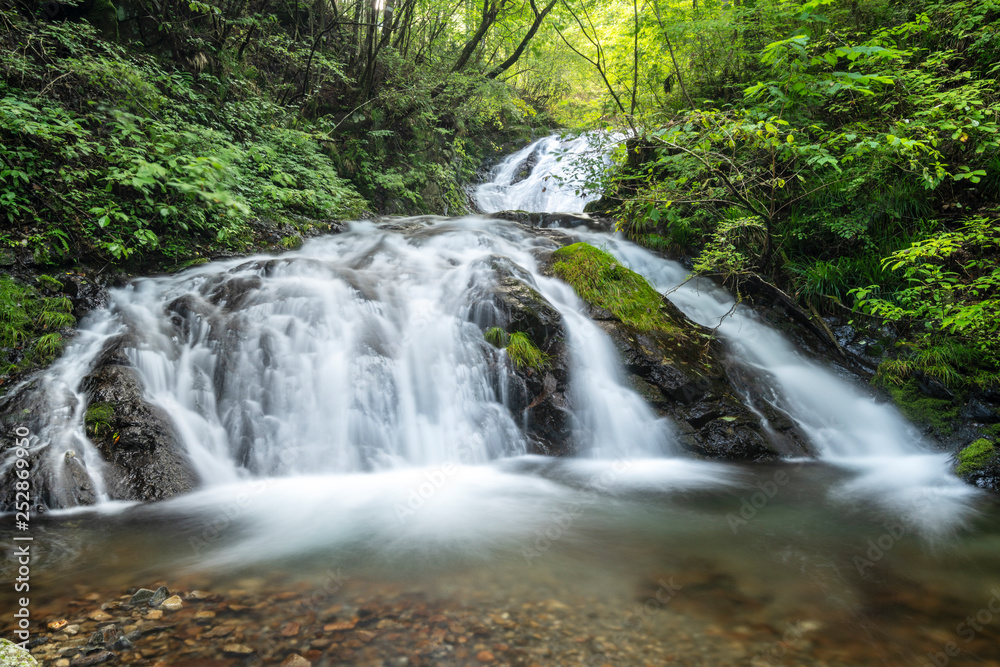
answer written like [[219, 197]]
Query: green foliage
[[851, 132], [31, 325], [734, 249], [977, 454], [524, 354], [601, 281], [952, 302], [98, 417], [497, 337]]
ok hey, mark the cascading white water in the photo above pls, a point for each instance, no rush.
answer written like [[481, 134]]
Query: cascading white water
[[359, 352], [356, 353], [549, 177], [843, 423]]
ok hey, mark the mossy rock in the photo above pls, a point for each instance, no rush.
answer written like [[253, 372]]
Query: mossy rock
[[934, 412], [601, 281], [99, 413], [975, 456], [12, 655], [104, 16]]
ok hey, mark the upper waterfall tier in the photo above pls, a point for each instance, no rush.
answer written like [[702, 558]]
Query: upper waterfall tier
[[541, 177]]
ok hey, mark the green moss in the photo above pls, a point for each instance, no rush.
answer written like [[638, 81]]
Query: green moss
[[49, 283], [98, 416], [104, 16], [524, 354], [975, 455], [520, 349], [601, 281], [939, 413]]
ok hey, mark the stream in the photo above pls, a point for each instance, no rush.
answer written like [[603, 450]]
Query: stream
[[362, 479]]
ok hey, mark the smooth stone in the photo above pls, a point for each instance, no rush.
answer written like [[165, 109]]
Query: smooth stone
[[92, 659], [295, 660], [237, 649], [105, 635], [99, 616], [72, 629], [172, 603]]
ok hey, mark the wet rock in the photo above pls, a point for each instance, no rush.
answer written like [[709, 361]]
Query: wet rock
[[158, 596], [92, 659], [238, 650], [525, 168], [295, 660], [77, 480], [137, 439], [105, 635], [99, 616], [140, 597], [978, 410], [934, 388], [536, 396], [675, 364], [12, 655]]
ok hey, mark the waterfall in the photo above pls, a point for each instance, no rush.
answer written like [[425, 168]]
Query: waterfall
[[544, 177], [364, 352], [842, 421], [359, 352]]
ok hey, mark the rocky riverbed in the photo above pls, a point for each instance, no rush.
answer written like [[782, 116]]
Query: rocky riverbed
[[694, 618]]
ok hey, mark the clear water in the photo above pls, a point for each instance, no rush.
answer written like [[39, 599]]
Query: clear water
[[347, 419]]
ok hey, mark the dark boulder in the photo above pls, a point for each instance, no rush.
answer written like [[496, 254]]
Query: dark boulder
[[526, 167], [136, 438], [537, 396], [675, 364]]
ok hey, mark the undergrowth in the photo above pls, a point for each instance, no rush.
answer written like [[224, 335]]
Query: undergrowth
[[33, 321]]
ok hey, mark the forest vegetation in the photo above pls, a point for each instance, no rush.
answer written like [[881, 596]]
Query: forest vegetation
[[846, 152]]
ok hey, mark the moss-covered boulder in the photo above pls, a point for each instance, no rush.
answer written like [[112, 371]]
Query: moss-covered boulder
[[978, 463], [12, 655], [103, 15], [136, 438], [677, 365]]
